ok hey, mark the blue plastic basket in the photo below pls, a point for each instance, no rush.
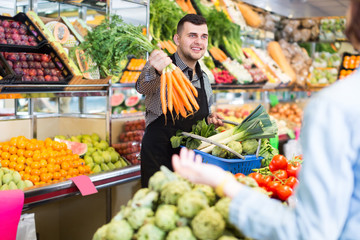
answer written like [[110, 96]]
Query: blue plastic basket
[[244, 166]]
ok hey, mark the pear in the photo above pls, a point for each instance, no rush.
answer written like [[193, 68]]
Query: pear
[[90, 150], [89, 144], [4, 187], [123, 162], [7, 178], [60, 137], [88, 159], [110, 149], [104, 167], [95, 137], [75, 139], [12, 186], [106, 156], [98, 159], [16, 176], [118, 164], [111, 166], [28, 183], [96, 169], [1, 173], [21, 185], [114, 156], [91, 165], [103, 145]]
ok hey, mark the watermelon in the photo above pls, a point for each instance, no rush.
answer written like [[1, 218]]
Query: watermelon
[[132, 101], [117, 99], [76, 147]]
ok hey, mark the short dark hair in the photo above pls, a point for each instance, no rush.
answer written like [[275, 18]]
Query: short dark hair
[[192, 18], [353, 27]]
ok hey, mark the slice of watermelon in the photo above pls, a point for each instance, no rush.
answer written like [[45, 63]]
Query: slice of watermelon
[[117, 99], [76, 147], [132, 101]]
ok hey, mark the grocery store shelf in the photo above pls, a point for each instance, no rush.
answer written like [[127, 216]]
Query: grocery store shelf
[[48, 193], [123, 85]]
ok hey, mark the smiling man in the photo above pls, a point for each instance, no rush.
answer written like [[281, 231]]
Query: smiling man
[[191, 40]]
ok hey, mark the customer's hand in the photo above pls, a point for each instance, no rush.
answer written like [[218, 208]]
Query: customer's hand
[[159, 60], [215, 119], [191, 167]]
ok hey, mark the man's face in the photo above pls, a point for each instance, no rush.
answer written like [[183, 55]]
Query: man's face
[[192, 42]]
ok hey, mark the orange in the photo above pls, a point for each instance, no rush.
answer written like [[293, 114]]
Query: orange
[[65, 165], [35, 179], [57, 167], [5, 163], [13, 141], [68, 151], [12, 150], [30, 146], [43, 163], [75, 172], [28, 161], [45, 155], [43, 170], [21, 144], [48, 142], [22, 174], [5, 148], [51, 160], [63, 172], [50, 167], [44, 177], [19, 167], [20, 152], [36, 157], [63, 146], [26, 176], [13, 158], [28, 153], [5, 155], [12, 165], [81, 169], [28, 169], [35, 165], [57, 175], [35, 172]]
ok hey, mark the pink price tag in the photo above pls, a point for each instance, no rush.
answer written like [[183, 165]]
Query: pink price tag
[[84, 184], [11, 205]]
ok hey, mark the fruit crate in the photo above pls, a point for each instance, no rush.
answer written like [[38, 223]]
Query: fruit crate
[[5, 71], [36, 66], [234, 166], [349, 63], [20, 31]]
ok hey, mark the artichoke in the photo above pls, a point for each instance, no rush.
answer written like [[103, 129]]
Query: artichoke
[[166, 217], [208, 224], [181, 233], [190, 203]]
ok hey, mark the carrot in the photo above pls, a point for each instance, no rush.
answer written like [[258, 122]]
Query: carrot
[[163, 93], [178, 103], [186, 89], [182, 94], [169, 81], [187, 81], [173, 46]]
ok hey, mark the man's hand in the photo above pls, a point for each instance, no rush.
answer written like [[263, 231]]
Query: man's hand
[[215, 119], [159, 60]]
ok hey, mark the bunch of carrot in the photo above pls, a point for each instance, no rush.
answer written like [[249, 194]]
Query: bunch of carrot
[[218, 54], [186, 6], [169, 46], [177, 93]]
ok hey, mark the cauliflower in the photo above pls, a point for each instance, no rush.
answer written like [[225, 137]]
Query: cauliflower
[[250, 146], [181, 233], [100, 234], [166, 217], [138, 216], [190, 203], [236, 146], [171, 191], [208, 191], [150, 232], [157, 181], [219, 152], [119, 230], [208, 224], [222, 206]]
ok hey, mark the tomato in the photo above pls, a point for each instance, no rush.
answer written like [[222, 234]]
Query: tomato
[[283, 192], [271, 187], [239, 175], [258, 178], [266, 180], [293, 169], [292, 182], [280, 175], [278, 162]]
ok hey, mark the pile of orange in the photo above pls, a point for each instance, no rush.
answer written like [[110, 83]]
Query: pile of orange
[[41, 161]]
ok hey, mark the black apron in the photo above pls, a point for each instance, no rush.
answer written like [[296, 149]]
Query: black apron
[[156, 149]]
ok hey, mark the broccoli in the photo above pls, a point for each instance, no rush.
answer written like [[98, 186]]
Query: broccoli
[[157, 181], [249, 146], [222, 206], [138, 216], [150, 232], [100, 234], [171, 191], [119, 230], [208, 224], [236, 146], [190, 203], [181, 233], [208, 191], [166, 217], [219, 152]]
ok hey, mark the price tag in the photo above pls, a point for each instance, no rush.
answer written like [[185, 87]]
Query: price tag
[[273, 100], [291, 134], [11, 205], [84, 184]]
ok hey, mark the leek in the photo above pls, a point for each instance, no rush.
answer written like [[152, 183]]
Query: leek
[[257, 125]]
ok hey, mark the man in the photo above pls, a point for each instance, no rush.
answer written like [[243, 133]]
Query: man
[[191, 40]]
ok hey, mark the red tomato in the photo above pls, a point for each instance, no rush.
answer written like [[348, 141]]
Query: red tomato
[[280, 174], [283, 192], [278, 162], [266, 180], [293, 169], [291, 182], [258, 177], [239, 175], [272, 187]]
